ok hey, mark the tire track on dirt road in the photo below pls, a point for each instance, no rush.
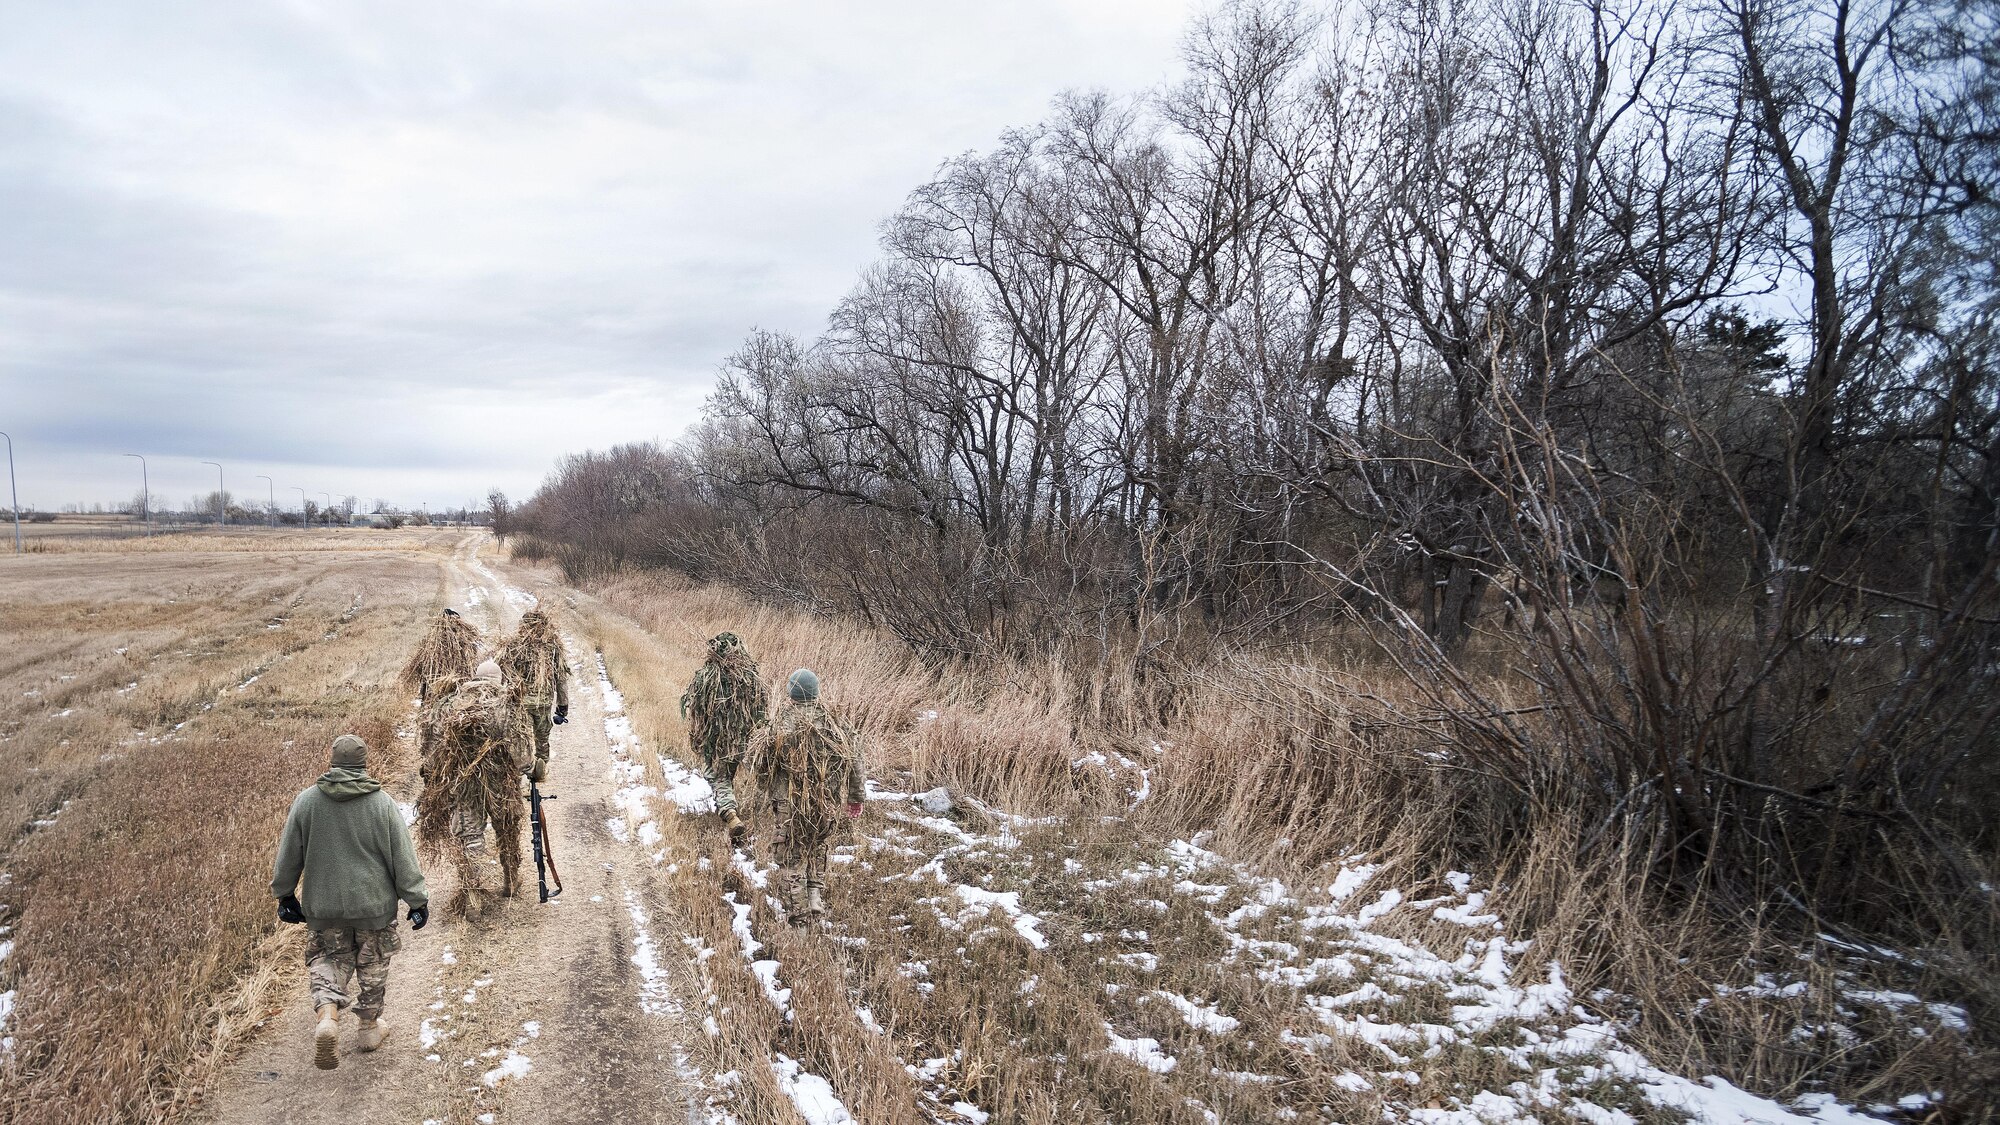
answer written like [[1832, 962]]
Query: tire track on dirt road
[[535, 1012]]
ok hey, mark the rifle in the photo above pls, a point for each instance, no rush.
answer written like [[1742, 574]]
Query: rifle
[[545, 856]]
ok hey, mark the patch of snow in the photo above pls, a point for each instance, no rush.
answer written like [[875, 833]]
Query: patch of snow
[[812, 1095], [1201, 1017], [1351, 879], [1025, 924], [688, 790], [515, 1065], [1348, 1080], [752, 874], [1469, 913], [655, 991], [1144, 1051]]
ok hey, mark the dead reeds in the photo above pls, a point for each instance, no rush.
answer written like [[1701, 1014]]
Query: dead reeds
[[448, 649], [1289, 764], [473, 738], [532, 657]]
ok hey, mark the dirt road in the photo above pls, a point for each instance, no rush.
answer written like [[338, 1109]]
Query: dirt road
[[558, 1012]]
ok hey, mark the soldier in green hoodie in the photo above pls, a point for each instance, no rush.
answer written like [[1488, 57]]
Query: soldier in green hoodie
[[347, 854]]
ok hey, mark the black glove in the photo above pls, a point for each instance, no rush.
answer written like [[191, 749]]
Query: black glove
[[562, 714], [289, 909], [419, 915]]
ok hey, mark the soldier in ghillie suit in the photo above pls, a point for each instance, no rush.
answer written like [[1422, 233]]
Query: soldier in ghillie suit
[[722, 706], [477, 745], [447, 651], [536, 670], [811, 764]]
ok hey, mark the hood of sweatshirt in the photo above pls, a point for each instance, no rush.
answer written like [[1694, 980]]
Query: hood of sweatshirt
[[344, 783]]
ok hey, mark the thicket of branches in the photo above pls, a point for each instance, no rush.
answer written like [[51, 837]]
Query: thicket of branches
[[1624, 371]]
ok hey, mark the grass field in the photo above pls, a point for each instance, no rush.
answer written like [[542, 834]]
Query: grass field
[[166, 704], [1251, 915], [1235, 920]]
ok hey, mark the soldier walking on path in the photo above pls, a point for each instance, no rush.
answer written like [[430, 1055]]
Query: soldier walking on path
[[537, 672], [477, 746], [446, 652], [812, 763], [725, 702], [343, 861]]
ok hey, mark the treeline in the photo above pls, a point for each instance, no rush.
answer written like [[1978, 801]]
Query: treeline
[[1623, 372]]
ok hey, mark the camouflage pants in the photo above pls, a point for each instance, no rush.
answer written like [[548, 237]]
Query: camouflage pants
[[722, 778], [333, 956], [544, 723], [801, 851], [468, 823]]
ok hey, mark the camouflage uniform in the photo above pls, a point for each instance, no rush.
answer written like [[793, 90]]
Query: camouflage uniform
[[333, 956], [537, 671], [478, 744], [541, 707], [813, 762], [489, 719], [722, 705]]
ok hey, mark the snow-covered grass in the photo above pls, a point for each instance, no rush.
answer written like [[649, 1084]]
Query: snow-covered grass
[[1053, 931]]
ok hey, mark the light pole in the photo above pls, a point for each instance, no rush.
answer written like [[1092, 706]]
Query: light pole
[[145, 495], [302, 506], [13, 490], [328, 497], [271, 490], [221, 498]]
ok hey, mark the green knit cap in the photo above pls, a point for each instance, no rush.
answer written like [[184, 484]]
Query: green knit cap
[[803, 686]]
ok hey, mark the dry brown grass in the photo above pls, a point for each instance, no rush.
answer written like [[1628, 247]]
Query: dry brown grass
[[1290, 766], [172, 705]]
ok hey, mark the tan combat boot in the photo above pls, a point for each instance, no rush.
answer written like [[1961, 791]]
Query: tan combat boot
[[372, 1033], [326, 1038], [734, 824]]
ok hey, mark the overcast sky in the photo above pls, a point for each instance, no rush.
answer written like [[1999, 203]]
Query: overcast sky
[[416, 250]]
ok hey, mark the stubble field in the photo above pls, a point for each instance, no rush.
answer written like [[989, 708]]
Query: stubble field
[[165, 699]]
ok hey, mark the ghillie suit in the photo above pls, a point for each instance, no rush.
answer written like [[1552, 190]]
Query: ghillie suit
[[725, 702], [448, 649], [476, 744], [812, 763], [536, 671]]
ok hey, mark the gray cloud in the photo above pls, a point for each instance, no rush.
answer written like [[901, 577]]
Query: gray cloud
[[412, 251]]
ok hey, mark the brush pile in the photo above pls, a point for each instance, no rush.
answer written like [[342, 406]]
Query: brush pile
[[449, 648], [532, 658], [475, 744]]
